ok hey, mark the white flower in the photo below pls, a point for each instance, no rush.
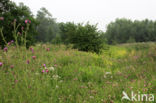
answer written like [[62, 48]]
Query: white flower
[[37, 73], [108, 73], [51, 68], [61, 81], [91, 97], [55, 77], [57, 86]]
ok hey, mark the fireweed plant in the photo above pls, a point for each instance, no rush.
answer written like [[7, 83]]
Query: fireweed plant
[[18, 37]]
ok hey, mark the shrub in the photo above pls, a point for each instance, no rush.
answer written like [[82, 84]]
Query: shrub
[[88, 38], [83, 37]]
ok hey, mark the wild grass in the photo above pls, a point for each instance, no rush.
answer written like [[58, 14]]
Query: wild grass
[[55, 74]]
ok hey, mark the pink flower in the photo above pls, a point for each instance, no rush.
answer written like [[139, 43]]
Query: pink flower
[[48, 49], [31, 49], [12, 66], [55, 65], [43, 71], [1, 18], [5, 49], [47, 70], [9, 43], [44, 65], [34, 57], [26, 21], [1, 64], [28, 61], [12, 41]]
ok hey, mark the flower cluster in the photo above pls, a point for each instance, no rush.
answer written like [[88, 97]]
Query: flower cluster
[[47, 69], [9, 43]]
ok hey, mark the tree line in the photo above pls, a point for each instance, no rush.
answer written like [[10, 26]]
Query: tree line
[[125, 30], [86, 37]]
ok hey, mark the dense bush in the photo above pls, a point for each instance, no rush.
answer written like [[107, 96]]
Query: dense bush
[[83, 37], [124, 30]]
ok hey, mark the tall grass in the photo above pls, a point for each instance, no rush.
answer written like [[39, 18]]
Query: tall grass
[[60, 75]]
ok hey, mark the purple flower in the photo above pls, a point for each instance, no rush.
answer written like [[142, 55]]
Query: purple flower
[[31, 49], [34, 57], [2, 18], [43, 71], [44, 65], [28, 61], [48, 49], [9, 43], [5, 49], [1, 64], [12, 66], [47, 70], [12, 41]]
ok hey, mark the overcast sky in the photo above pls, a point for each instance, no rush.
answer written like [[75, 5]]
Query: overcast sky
[[95, 11]]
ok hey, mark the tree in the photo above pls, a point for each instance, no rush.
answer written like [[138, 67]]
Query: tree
[[47, 28], [67, 31], [83, 37], [124, 30]]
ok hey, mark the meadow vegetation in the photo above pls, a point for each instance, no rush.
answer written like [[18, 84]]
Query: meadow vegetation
[[55, 74], [43, 61]]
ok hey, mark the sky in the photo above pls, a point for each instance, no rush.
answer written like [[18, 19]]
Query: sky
[[95, 11]]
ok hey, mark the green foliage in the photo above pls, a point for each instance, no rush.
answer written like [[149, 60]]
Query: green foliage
[[56, 40], [67, 31], [13, 13], [125, 30], [83, 37], [47, 28]]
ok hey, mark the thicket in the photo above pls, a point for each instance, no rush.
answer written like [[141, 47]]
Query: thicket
[[84, 37]]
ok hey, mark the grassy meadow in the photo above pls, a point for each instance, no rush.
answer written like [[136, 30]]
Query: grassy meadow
[[48, 73]]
